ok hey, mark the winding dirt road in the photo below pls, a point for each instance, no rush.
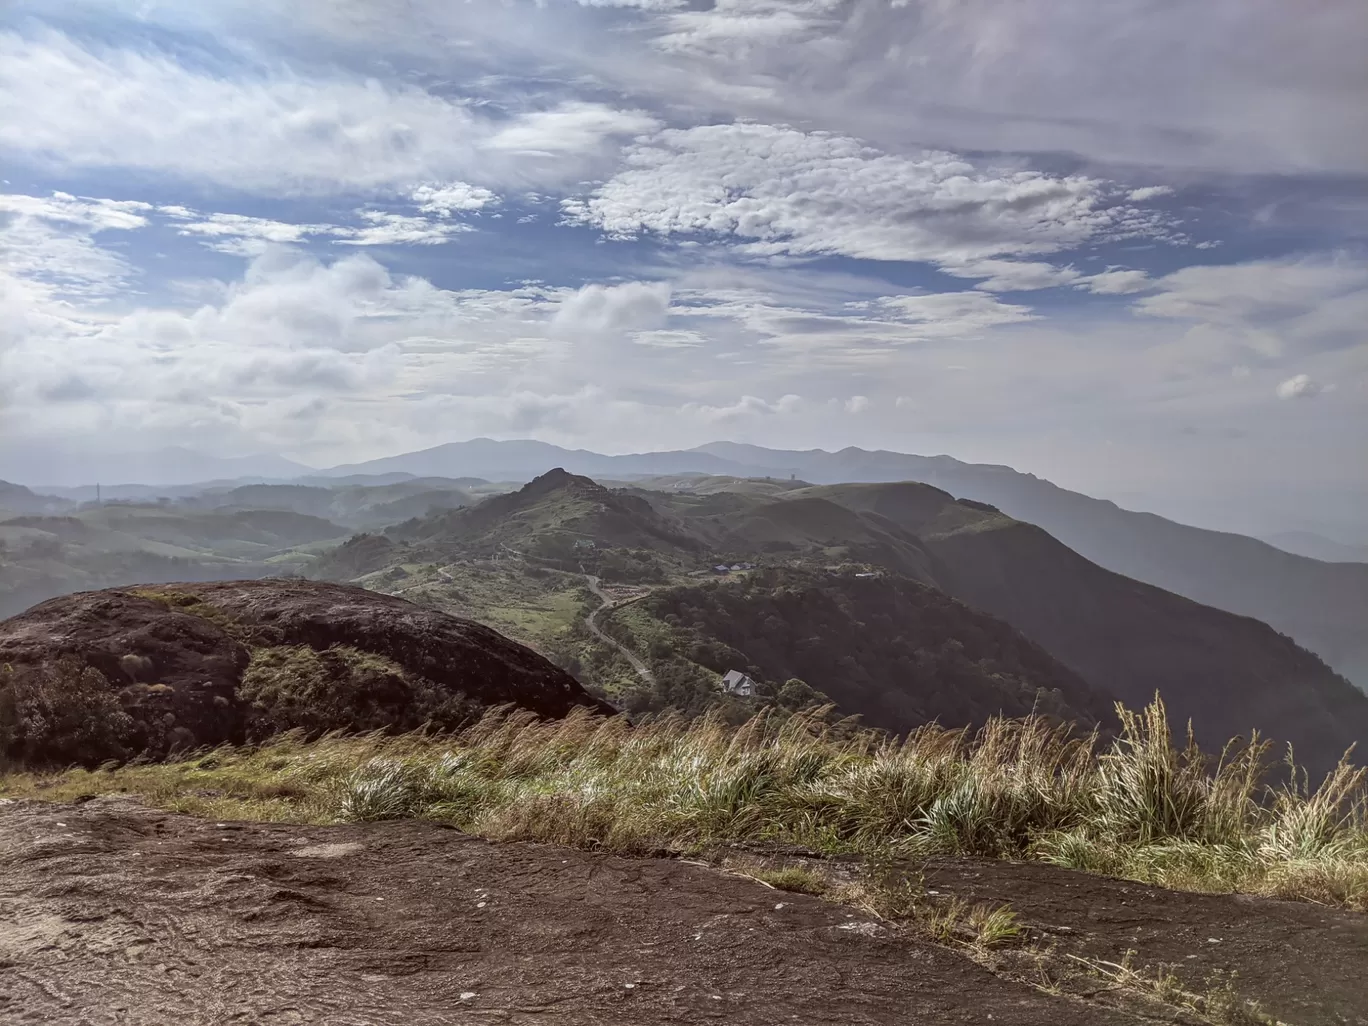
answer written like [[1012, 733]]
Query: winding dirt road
[[590, 621]]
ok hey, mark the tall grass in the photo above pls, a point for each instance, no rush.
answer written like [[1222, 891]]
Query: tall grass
[[1141, 806]]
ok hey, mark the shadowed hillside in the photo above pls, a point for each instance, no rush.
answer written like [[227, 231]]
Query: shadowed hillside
[[894, 651], [1227, 673]]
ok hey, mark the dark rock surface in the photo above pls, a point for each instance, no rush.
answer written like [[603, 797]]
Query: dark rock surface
[[180, 650]]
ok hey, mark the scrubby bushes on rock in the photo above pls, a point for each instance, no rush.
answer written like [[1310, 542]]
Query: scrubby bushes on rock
[[62, 712], [342, 688]]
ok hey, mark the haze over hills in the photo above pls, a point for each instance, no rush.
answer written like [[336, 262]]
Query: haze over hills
[[1323, 606], [1316, 546], [43, 556], [53, 466], [1226, 672], [50, 546]]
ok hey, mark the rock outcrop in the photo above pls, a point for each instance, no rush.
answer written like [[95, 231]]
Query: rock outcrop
[[146, 670]]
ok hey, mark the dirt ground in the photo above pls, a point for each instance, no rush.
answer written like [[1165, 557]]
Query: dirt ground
[[1306, 964], [113, 913]]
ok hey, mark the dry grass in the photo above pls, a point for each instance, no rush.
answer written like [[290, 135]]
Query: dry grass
[[1218, 1003], [1144, 808]]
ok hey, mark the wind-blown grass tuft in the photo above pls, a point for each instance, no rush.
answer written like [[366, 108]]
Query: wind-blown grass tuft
[[1142, 807]]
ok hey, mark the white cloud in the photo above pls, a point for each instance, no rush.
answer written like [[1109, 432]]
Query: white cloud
[[82, 211], [1115, 282], [1149, 192], [569, 129], [648, 5], [857, 404], [1299, 386], [1130, 82], [954, 314], [453, 197], [598, 310], [744, 408], [1269, 307], [239, 234], [667, 339], [788, 192], [735, 27], [278, 131], [390, 229], [1012, 275], [50, 240]]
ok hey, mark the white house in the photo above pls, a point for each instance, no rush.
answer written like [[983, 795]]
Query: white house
[[734, 682]]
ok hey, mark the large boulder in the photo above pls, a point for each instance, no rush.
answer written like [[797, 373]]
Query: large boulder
[[109, 674]]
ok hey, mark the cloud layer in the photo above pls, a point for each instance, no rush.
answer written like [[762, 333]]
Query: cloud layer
[[1016, 231]]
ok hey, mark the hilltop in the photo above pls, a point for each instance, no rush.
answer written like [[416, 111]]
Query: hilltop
[[549, 515]]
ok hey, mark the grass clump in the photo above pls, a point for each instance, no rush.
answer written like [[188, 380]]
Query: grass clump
[[1142, 808], [797, 879], [1217, 1003]]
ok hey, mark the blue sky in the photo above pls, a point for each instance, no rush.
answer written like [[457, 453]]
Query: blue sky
[[1123, 246]]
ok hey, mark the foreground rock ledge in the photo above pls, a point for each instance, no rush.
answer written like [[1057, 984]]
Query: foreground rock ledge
[[114, 913]]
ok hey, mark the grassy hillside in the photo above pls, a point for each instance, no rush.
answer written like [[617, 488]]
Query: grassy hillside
[[891, 650], [548, 516], [117, 544], [1226, 673]]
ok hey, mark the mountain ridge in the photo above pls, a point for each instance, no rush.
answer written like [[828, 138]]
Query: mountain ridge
[[1324, 606]]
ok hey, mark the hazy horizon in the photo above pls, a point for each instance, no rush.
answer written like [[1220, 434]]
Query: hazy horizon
[[190, 468]]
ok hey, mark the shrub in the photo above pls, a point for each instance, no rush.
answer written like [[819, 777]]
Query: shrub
[[60, 713]]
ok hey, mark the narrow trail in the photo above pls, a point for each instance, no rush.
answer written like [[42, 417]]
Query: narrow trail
[[641, 668]]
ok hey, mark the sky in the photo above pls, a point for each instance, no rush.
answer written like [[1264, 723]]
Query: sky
[[1123, 246]]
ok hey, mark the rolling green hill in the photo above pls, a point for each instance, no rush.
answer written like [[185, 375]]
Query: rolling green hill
[[897, 652], [549, 515], [1227, 673]]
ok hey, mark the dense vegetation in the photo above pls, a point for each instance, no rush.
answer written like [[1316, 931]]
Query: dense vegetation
[[891, 650], [1142, 806]]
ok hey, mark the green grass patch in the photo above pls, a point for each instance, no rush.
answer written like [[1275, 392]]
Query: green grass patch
[[1142, 807]]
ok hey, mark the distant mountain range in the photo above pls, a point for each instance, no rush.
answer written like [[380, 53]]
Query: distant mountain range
[[1323, 605], [1227, 673], [47, 468]]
